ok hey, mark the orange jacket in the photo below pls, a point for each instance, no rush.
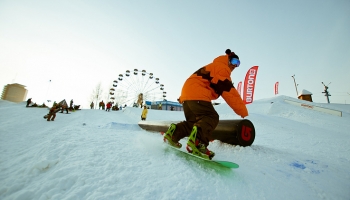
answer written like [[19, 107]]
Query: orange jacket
[[211, 81]]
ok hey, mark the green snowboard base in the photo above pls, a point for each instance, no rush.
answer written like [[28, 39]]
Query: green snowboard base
[[227, 164]]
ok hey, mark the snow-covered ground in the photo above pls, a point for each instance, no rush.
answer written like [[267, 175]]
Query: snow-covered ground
[[298, 153]]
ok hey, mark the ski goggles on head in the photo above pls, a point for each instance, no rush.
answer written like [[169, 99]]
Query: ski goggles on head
[[235, 61]]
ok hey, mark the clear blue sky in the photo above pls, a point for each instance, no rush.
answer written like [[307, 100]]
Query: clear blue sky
[[78, 44]]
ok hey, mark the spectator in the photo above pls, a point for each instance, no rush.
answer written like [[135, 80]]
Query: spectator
[[109, 105], [144, 113], [29, 101], [101, 105], [71, 105], [64, 107], [92, 105]]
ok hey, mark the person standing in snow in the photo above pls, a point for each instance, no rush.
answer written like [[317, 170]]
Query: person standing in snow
[[100, 105], [71, 105], [109, 105], [64, 107], [206, 84], [103, 105], [144, 113], [92, 105]]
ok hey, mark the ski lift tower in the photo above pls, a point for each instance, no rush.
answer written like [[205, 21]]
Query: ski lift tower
[[327, 94]]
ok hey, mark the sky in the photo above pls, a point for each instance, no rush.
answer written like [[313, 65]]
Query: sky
[[298, 153], [63, 50]]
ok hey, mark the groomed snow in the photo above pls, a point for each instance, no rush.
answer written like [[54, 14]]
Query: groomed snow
[[298, 153]]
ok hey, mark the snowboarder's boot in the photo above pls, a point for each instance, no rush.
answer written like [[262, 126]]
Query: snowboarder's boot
[[197, 148], [168, 137]]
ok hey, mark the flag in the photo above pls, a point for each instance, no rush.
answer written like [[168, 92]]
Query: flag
[[276, 88], [239, 88], [249, 85]]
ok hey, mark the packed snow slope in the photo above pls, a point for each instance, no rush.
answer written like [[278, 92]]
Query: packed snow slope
[[298, 153]]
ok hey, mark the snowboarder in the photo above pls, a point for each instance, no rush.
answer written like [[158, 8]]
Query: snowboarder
[[52, 113], [203, 86], [144, 113]]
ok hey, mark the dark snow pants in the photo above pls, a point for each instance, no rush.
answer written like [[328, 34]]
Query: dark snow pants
[[201, 114], [53, 115]]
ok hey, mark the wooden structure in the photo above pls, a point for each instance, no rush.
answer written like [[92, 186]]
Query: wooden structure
[[305, 95]]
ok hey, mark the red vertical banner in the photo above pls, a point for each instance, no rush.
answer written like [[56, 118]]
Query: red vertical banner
[[249, 85], [276, 88], [239, 88]]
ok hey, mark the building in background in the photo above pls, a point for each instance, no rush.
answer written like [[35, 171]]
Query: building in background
[[14, 92], [166, 105], [305, 95]]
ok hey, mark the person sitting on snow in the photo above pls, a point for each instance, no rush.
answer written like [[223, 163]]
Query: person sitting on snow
[[29, 101]]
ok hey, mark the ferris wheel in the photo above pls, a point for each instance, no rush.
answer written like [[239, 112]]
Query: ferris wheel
[[136, 88]]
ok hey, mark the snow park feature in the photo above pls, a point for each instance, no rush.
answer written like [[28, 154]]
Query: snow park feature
[[236, 132], [298, 153]]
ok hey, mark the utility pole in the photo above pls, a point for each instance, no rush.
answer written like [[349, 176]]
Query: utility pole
[[327, 94], [47, 91], [296, 89]]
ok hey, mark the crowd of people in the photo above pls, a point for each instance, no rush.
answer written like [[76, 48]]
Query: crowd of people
[[62, 107], [56, 107], [31, 104]]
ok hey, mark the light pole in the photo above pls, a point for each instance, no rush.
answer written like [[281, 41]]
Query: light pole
[[296, 89], [48, 87]]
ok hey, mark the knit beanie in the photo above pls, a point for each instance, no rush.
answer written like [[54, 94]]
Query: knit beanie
[[231, 54]]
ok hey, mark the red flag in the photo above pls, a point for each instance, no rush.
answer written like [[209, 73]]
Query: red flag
[[249, 85], [239, 88], [276, 88]]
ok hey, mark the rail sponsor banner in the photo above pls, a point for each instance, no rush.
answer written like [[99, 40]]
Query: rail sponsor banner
[[276, 88], [239, 88], [249, 85]]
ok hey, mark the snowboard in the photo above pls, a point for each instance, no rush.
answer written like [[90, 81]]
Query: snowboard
[[222, 163]]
